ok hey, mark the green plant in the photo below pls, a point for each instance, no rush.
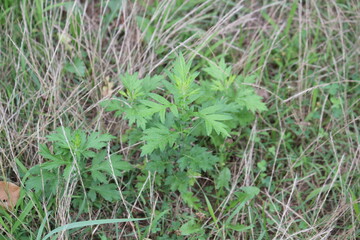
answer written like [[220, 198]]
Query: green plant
[[76, 157], [178, 118]]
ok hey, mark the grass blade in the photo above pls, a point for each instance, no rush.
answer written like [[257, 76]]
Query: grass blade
[[89, 223]]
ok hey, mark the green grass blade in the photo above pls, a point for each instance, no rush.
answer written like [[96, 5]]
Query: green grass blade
[[291, 17], [42, 226], [21, 220], [89, 223], [211, 211]]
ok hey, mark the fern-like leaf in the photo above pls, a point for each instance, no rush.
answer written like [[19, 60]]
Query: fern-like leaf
[[158, 138]]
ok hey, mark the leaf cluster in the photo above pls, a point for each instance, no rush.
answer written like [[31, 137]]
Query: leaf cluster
[[77, 156], [176, 112]]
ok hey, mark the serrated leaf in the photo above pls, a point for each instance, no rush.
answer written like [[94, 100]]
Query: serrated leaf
[[108, 191], [213, 122], [219, 72], [61, 137], [133, 86], [53, 164], [45, 152], [157, 165], [98, 159], [67, 171], [172, 89], [190, 200], [88, 154], [251, 191], [77, 67], [198, 159], [112, 105], [99, 176], [159, 98], [151, 83], [250, 79], [101, 166], [180, 70], [178, 182], [47, 179], [182, 80], [174, 110], [137, 115], [155, 107], [190, 227], [157, 138], [251, 101], [213, 119], [34, 182], [92, 195], [223, 180], [118, 165], [131, 82], [97, 140]]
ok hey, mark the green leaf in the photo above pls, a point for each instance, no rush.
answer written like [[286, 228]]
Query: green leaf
[[243, 198], [92, 195], [100, 166], [251, 191], [34, 182], [99, 176], [355, 205], [42, 226], [262, 165], [108, 191], [218, 72], [159, 98], [151, 83], [112, 105], [45, 152], [133, 86], [223, 180], [213, 119], [317, 191], [97, 141], [146, 27], [61, 137], [157, 108], [158, 164], [180, 71], [117, 165], [47, 179], [178, 181], [24, 213], [138, 115], [182, 80], [190, 199], [158, 138], [198, 159], [211, 211], [53, 164], [250, 100], [190, 227], [77, 67], [174, 110]]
